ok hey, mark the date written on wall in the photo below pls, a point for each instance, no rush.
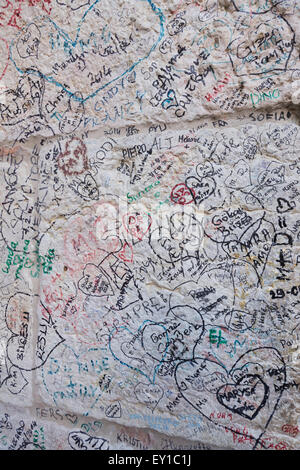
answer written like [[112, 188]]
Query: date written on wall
[[280, 293]]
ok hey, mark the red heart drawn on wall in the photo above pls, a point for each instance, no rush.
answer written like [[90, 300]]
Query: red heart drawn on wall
[[126, 254], [137, 224]]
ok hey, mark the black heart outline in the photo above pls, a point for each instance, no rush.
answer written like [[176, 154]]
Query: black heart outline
[[235, 410], [202, 182], [143, 392], [218, 425], [166, 323], [50, 323]]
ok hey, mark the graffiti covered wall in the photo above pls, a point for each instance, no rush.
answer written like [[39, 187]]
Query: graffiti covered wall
[[150, 228]]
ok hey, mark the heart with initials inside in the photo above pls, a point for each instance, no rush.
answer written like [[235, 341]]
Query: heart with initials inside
[[137, 224], [126, 254], [250, 390], [29, 346], [88, 188], [72, 51], [73, 161], [246, 397], [201, 188], [148, 394]]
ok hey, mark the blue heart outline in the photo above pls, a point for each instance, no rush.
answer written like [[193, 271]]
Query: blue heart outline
[[135, 368], [157, 11]]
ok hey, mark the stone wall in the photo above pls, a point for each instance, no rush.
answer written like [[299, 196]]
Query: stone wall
[[150, 228]]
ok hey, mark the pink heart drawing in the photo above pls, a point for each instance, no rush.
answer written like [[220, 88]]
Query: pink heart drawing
[[137, 224]]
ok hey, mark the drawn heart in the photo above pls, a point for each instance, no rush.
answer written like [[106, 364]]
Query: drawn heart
[[73, 161], [148, 394], [246, 397], [241, 51], [254, 246], [32, 341], [239, 320], [88, 188], [204, 169], [31, 347], [209, 12], [239, 176], [127, 348], [260, 237], [95, 282], [126, 254], [30, 353], [278, 140], [72, 418], [29, 41], [274, 174], [170, 101], [72, 117], [201, 189], [114, 410], [81, 47], [137, 224], [250, 147], [251, 389]]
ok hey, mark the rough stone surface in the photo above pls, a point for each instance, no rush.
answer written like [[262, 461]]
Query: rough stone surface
[[150, 228]]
